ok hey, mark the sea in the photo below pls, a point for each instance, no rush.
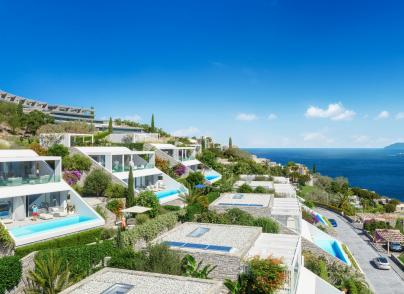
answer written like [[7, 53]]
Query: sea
[[379, 170]]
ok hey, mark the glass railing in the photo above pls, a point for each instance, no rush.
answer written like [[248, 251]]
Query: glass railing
[[29, 180], [120, 168], [187, 158]]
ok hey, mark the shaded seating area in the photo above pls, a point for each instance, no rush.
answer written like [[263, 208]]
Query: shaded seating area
[[388, 236]]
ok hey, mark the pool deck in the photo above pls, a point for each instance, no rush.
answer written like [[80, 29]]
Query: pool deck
[[29, 221]]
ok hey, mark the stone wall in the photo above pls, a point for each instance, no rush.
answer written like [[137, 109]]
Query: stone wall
[[28, 264]]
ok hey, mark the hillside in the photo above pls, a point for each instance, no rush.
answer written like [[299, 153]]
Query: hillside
[[395, 146]]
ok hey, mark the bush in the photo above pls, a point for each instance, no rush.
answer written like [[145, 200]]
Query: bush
[[172, 207], [96, 183], [309, 204], [150, 229], [76, 162], [244, 188], [195, 178], [58, 150], [260, 190], [372, 225], [10, 272], [212, 196], [156, 259], [141, 219], [82, 260], [115, 206], [268, 225], [148, 199], [6, 241], [101, 211], [81, 238], [115, 191], [72, 177]]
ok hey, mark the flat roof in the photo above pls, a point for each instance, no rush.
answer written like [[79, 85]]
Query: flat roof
[[283, 246], [265, 184], [238, 238], [139, 173], [285, 206], [143, 283], [284, 188], [105, 150], [170, 146], [23, 190], [243, 199], [191, 162], [17, 153]]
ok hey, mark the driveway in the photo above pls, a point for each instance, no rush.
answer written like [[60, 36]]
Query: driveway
[[381, 281]]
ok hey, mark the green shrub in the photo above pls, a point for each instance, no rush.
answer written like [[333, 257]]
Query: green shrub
[[76, 162], [195, 178], [141, 219], [6, 241], [81, 238], [150, 229], [115, 191], [96, 183], [309, 204], [372, 225], [148, 199], [156, 259], [115, 206], [82, 260], [244, 188], [58, 150], [191, 211], [101, 211], [268, 225], [260, 190], [212, 196], [172, 207], [10, 272]]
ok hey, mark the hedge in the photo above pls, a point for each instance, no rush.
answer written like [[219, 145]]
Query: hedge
[[81, 238], [150, 229], [10, 273]]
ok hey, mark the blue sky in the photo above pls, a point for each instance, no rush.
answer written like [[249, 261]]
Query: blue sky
[[269, 73]]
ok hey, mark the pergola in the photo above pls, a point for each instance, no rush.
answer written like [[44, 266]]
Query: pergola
[[388, 235]]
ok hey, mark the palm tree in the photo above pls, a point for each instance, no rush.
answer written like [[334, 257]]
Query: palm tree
[[51, 276], [195, 270]]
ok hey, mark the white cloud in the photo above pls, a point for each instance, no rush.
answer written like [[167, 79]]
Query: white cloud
[[188, 132], [383, 115], [334, 111], [272, 116], [246, 116], [400, 115], [317, 137]]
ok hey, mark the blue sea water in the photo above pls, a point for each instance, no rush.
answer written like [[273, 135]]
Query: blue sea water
[[380, 170]]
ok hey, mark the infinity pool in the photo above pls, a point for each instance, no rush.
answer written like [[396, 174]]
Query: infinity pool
[[333, 248], [166, 193], [29, 230]]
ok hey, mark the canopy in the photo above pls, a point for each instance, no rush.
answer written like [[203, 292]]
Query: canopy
[[136, 209]]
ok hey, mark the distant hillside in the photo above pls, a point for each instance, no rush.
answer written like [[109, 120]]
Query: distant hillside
[[395, 146]]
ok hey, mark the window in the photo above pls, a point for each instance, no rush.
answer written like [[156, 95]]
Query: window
[[118, 289], [198, 232], [238, 196]]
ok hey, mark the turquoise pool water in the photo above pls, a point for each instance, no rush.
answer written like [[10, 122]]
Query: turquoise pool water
[[333, 248], [211, 177], [29, 230], [166, 193], [320, 218]]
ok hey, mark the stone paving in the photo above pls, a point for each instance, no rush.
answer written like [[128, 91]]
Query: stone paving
[[381, 281]]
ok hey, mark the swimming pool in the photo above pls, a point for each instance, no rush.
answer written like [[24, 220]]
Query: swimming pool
[[334, 248], [29, 230], [211, 177], [320, 219], [166, 193]]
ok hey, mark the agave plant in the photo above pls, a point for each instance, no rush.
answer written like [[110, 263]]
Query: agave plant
[[193, 269], [50, 276]]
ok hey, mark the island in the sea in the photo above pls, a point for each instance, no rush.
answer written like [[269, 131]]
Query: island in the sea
[[395, 146]]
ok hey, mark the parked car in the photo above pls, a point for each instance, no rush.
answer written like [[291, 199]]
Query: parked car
[[381, 263], [333, 222], [396, 246]]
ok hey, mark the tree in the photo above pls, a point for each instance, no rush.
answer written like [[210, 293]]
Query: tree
[[50, 276], [58, 150], [110, 125], [130, 196], [35, 119], [203, 147], [96, 183], [314, 169], [148, 199], [230, 143], [195, 270], [152, 127], [195, 178]]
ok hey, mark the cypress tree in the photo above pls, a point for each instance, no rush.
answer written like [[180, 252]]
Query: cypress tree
[[152, 124], [230, 143], [110, 125], [130, 198], [314, 169]]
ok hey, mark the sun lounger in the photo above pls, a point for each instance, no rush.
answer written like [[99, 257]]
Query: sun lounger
[[45, 216]]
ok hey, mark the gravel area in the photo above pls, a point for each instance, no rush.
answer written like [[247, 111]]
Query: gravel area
[[144, 283]]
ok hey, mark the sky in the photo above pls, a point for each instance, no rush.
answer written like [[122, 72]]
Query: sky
[[268, 73]]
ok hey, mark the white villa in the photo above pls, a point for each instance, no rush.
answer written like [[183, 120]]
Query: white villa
[[118, 160], [68, 140], [35, 202], [184, 155]]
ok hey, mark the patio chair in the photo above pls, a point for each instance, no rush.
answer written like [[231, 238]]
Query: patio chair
[[57, 211], [7, 221], [45, 216]]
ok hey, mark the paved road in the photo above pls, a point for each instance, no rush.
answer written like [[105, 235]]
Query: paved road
[[381, 281]]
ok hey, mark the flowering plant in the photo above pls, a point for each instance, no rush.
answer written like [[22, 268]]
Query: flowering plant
[[72, 176], [180, 170]]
